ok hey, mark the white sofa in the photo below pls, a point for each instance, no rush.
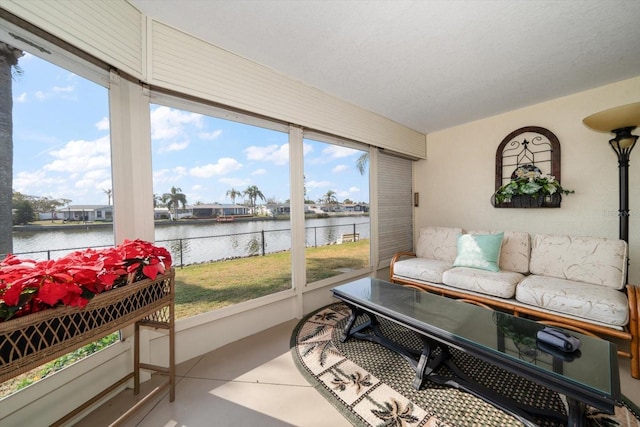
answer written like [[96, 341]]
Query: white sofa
[[577, 282]]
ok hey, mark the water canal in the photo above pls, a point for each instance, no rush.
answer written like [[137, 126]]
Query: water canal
[[197, 242]]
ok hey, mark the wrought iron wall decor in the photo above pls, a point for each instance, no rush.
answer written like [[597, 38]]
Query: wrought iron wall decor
[[528, 148]]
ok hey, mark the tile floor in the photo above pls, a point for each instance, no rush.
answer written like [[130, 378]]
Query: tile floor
[[251, 382]]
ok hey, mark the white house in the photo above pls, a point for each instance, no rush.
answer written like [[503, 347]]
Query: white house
[[86, 213]]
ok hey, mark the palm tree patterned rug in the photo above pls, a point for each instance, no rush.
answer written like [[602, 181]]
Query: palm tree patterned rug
[[372, 386]]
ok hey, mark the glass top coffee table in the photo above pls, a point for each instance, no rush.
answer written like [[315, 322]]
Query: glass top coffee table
[[587, 377]]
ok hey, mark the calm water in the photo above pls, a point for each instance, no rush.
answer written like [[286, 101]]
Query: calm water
[[194, 243]]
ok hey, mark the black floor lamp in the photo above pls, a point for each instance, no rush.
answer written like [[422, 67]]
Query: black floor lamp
[[620, 121]]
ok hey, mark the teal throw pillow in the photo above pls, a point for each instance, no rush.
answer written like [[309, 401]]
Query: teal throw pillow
[[480, 251]]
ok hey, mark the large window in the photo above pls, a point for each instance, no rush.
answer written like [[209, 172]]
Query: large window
[[61, 159], [222, 204], [55, 160], [222, 196], [337, 207]]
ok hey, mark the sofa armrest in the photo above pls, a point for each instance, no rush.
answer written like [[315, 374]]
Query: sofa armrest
[[633, 295], [397, 257]]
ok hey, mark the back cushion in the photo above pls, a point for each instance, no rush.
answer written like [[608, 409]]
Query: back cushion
[[439, 243], [584, 259], [515, 252]]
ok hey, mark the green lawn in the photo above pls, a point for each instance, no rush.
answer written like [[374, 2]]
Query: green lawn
[[205, 287]]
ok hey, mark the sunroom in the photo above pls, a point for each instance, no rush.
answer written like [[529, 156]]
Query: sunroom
[[146, 73]]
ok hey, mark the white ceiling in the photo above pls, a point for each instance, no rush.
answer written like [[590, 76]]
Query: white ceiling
[[427, 64]]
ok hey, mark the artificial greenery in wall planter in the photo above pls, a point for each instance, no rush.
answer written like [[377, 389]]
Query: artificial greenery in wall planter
[[530, 188]]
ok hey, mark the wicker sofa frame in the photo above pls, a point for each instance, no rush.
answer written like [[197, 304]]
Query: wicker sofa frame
[[629, 335]]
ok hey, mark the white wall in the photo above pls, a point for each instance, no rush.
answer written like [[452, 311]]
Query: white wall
[[457, 179]]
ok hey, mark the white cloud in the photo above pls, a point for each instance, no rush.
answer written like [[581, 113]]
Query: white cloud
[[27, 182], [84, 183], [339, 168], [194, 199], [259, 172], [168, 123], [20, 99], [317, 184], [97, 174], [332, 152], [65, 89], [269, 153], [338, 151], [210, 135], [174, 146], [78, 156], [60, 92], [306, 148], [160, 174], [105, 185], [169, 175], [82, 165], [354, 190], [222, 167], [235, 182], [103, 124]]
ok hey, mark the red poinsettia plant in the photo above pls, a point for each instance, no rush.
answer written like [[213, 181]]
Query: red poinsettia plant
[[28, 286]]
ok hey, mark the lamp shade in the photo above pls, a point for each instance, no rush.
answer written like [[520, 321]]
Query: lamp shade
[[609, 120]]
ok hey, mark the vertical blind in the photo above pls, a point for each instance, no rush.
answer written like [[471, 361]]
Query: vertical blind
[[395, 206]]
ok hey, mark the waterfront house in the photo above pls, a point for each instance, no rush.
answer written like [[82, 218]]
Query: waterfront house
[[85, 213]]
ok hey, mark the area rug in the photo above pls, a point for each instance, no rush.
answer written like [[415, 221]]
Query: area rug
[[371, 385]]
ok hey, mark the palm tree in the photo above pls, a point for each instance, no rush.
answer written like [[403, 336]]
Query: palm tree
[[108, 192], [173, 199], [233, 194], [253, 193], [330, 198], [9, 57], [362, 162]]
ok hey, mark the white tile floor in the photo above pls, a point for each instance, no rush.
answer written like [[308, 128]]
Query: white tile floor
[[251, 382]]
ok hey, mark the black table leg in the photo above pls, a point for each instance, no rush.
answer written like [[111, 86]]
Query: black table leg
[[348, 333], [376, 335], [576, 413], [428, 364]]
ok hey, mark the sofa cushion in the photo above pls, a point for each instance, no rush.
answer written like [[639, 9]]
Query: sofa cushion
[[515, 251], [500, 284], [426, 270], [480, 251], [592, 260], [438, 243], [585, 300]]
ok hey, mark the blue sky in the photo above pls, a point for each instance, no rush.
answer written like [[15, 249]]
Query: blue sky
[[61, 148]]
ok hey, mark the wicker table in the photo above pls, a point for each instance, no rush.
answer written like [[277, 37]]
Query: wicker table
[[30, 341]]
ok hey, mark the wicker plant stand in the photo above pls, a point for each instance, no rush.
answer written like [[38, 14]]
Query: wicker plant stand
[[30, 341]]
